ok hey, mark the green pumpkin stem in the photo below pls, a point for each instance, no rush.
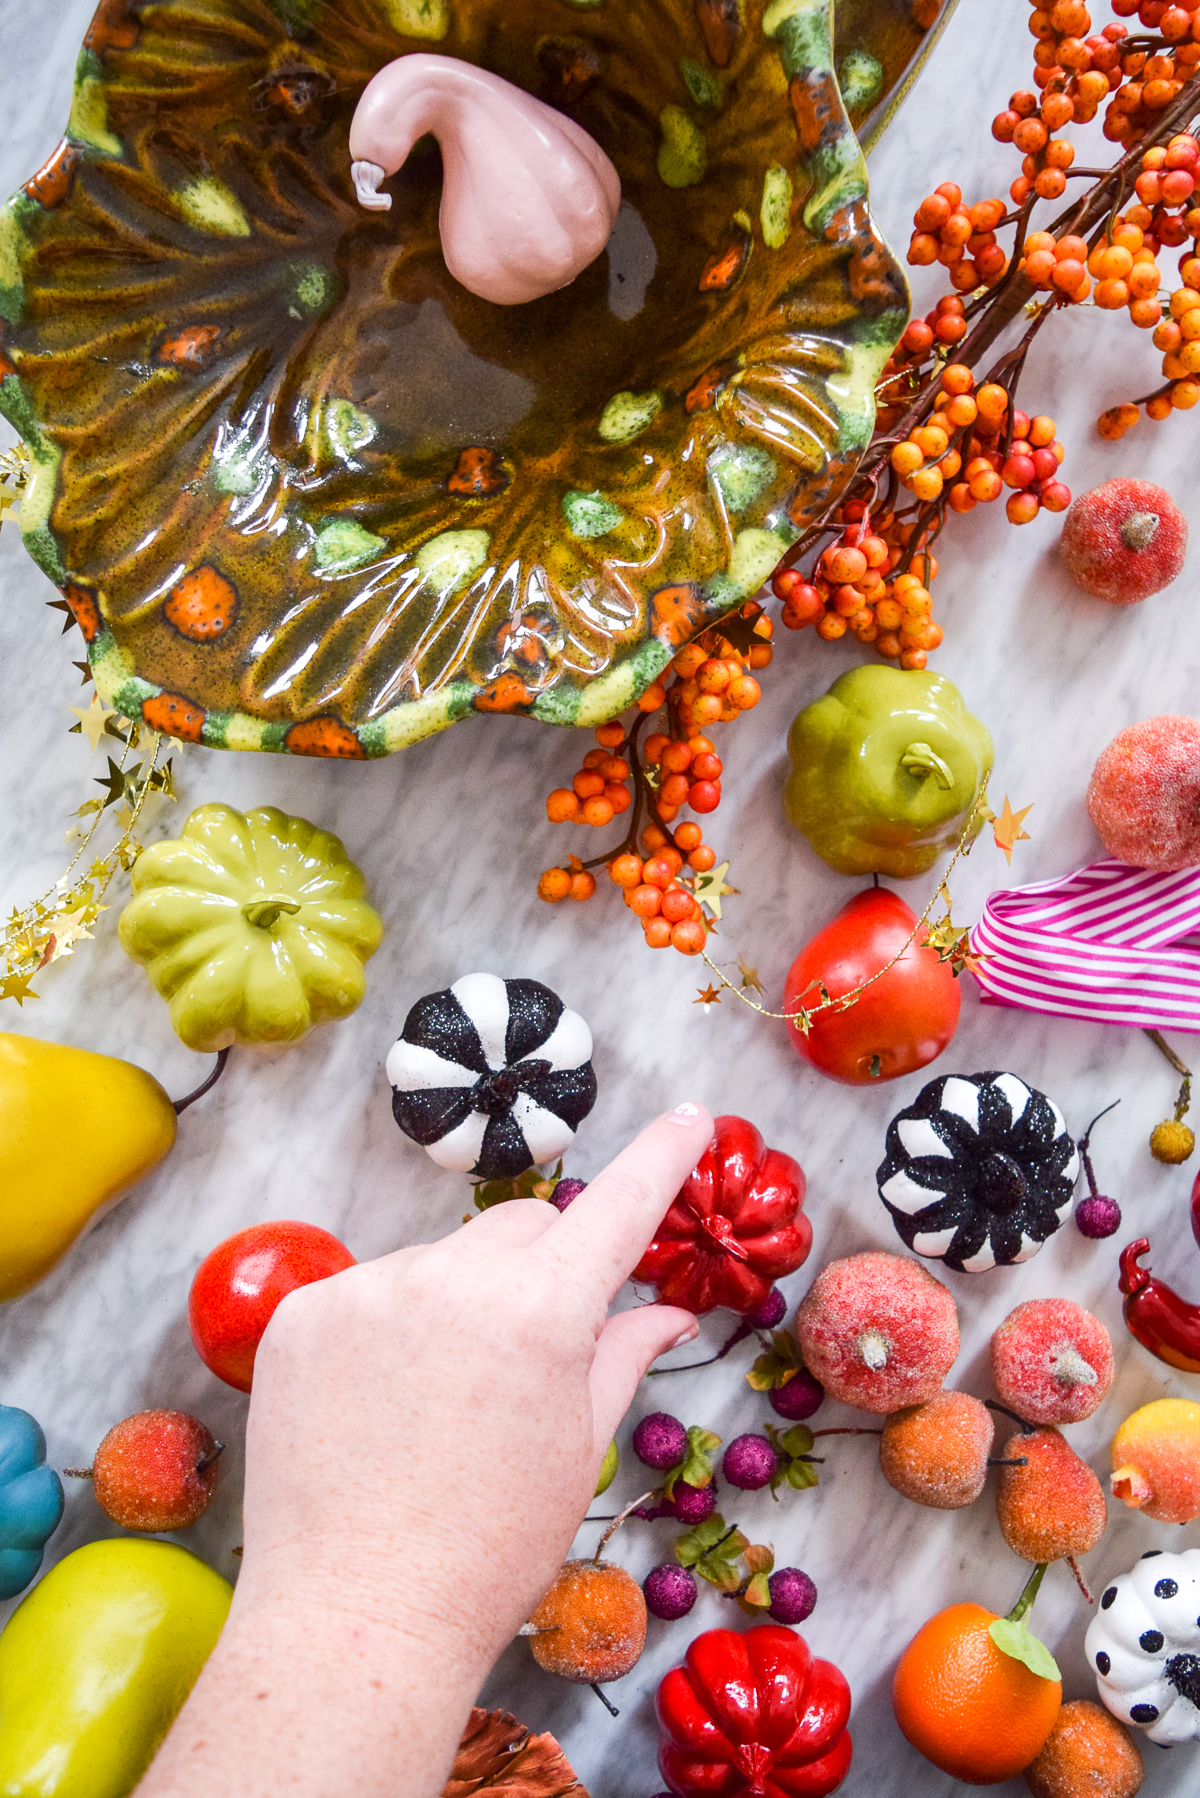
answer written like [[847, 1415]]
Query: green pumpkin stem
[[265, 911]]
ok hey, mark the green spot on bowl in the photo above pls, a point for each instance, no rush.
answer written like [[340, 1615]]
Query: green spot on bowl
[[312, 289], [88, 123], [419, 18], [451, 559], [741, 471], [208, 204], [801, 28], [590, 514], [860, 78], [682, 153], [701, 84], [627, 415], [343, 544], [775, 212], [347, 428]]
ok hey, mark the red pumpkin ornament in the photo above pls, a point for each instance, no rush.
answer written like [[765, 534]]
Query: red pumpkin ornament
[[734, 1227], [753, 1714]]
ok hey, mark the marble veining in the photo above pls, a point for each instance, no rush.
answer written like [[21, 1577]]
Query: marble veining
[[452, 837]]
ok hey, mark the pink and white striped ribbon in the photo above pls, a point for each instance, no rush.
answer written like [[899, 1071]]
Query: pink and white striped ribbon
[[1111, 943]]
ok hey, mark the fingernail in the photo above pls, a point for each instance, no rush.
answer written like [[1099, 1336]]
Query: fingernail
[[689, 1335], [683, 1114]]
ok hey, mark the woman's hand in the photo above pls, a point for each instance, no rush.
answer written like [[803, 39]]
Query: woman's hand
[[425, 1435]]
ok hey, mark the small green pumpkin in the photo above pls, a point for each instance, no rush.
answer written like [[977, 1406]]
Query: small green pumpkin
[[253, 927]]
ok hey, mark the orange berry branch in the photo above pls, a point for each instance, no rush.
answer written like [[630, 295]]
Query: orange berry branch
[[945, 441]]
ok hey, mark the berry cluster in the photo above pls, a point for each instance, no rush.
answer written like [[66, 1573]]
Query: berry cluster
[[671, 916], [854, 587], [716, 680], [962, 238], [1152, 76], [992, 444], [599, 792], [711, 681], [1178, 337]]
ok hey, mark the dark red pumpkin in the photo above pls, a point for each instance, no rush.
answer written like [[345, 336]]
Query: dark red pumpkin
[[734, 1228], [753, 1714]]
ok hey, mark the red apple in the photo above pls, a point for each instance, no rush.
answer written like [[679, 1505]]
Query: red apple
[[901, 1021], [238, 1286]]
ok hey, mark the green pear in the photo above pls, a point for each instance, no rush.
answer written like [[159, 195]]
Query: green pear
[[96, 1662], [78, 1131]]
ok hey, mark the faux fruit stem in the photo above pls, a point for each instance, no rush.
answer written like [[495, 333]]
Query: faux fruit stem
[[616, 1523], [181, 1105], [1025, 1602]]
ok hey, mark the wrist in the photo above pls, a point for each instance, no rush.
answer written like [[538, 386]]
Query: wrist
[[316, 1695]]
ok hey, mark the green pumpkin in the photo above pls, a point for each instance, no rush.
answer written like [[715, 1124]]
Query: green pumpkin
[[253, 927], [887, 770]]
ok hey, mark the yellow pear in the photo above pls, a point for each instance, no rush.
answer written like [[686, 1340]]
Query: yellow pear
[[77, 1130], [95, 1663]]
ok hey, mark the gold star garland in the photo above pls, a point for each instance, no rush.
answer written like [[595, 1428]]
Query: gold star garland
[[951, 942], [47, 929]]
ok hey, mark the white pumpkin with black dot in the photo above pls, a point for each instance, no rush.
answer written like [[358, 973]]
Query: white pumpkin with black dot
[[491, 1076], [979, 1171], [1144, 1645]]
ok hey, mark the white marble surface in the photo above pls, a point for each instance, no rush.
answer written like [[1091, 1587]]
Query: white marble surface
[[452, 837]]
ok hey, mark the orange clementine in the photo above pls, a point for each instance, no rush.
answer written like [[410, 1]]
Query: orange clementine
[[972, 1710]]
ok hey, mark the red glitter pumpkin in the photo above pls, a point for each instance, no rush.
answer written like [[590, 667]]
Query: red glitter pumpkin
[[734, 1227]]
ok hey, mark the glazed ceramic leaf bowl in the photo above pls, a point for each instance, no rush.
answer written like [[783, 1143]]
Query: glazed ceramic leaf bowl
[[304, 492]]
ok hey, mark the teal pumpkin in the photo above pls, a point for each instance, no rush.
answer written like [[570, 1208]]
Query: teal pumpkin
[[31, 1500]]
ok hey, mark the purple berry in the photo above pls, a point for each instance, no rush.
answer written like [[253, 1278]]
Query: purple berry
[[799, 1398], [565, 1191], [692, 1504], [660, 1441], [1098, 1216], [793, 1595], [670, 1591], [769, 1312], [750, 1462]]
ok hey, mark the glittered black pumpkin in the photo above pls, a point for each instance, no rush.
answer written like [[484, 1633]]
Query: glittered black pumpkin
[[492, 1075], [979, 1171]]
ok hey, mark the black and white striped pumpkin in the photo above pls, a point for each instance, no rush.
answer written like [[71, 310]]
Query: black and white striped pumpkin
[[492, 1075], [979, 1171]]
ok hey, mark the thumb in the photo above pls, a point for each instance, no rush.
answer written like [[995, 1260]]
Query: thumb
[[626, 1346]]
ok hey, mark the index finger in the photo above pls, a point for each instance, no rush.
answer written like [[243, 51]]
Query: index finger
[[605, 1231]]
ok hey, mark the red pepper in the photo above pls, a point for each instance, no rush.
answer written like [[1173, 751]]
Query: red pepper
[[753, 1714], [1196, 1208], [1162, 1322], [734, 1228]]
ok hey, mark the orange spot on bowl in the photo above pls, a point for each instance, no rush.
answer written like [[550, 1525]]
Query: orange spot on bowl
[[84, 610], [202, 606], [192, 347], [52, 183], [325, 736], [507, 694], [174, 716], [722, 270], [676, 611], [702, 396], [478, 474]]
